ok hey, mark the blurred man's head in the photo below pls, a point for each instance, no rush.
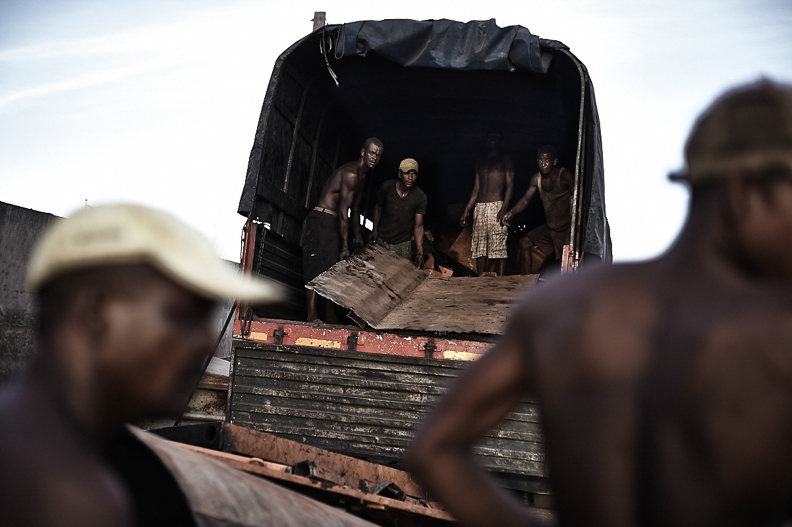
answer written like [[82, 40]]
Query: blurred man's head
[[125, 299], [740, 154]]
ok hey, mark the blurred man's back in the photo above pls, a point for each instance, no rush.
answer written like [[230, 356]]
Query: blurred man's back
[[665, 387]]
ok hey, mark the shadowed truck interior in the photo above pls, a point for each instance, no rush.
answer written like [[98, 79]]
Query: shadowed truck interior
[[431, 91]]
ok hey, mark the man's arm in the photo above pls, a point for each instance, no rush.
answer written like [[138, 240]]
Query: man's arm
[[377, 216], [356, 231], [441, 457], [567, 179], [418, 232], [348, 184], [473, 198], [523, 203], [507, 194]]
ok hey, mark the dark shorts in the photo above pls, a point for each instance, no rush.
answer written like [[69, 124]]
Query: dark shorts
[[550, 241], [320, 245]]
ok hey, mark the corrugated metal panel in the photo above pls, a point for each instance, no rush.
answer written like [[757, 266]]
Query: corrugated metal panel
[[362, 404]]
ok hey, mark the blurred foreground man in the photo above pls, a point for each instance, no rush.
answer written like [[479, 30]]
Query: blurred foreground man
[[125, 299], [666, 386]]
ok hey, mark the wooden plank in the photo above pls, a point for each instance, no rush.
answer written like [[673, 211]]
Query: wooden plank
[[459, 304], [371, 283], [389, 292], [460, 250]]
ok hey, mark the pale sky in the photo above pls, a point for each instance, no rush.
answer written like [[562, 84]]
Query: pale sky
[[156, 102]]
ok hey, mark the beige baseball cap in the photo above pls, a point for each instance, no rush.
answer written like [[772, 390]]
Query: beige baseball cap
[[133, 234], [408, 164], [746, 129]]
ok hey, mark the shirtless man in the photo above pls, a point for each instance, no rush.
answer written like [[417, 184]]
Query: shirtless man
[[125, 297], [554, 185], [492, 190], [665, 386], [326, 228]]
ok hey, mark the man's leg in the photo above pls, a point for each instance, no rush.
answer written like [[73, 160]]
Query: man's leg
[[320, 251], [481, 265], [497, 251], [502, 266], [525, 255], [330, 313], [478, 243], [312, 300], [535, 247]]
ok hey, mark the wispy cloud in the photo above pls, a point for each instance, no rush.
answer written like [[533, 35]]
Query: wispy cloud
[[59, 66], [83, 81]]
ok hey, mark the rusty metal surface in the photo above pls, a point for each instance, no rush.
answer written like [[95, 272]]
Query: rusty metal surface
[[381, 508], [221, 495], [279, 450], [389, 292], [363, 405], [309, 334]]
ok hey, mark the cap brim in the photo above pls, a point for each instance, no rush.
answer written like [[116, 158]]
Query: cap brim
[[679, 177], [221, 281]]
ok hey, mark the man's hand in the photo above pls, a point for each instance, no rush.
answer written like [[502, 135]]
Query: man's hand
[[372, 237], [358, 246], [506, 218], [463, 219], [419, 260]]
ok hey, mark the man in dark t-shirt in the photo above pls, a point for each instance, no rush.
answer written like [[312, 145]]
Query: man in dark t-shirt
[[398, 215]]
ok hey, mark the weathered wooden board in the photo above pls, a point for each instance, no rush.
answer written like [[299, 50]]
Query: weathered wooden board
[[461, 250], [459, 304], [371, 283], [389, 292]]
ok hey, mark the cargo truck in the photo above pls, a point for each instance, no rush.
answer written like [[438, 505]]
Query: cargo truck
[[430, 90]]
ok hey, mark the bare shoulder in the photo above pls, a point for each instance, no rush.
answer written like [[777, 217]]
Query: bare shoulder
[[45, 462], [603, 280], [348, 170], [575, 317], [566, 176]]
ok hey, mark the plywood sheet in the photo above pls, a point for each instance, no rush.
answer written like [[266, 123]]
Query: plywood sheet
[[371, 283], [461, 249], [459, 304]]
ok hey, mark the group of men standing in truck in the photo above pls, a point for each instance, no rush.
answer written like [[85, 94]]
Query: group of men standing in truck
[[401, 205], [492, 191]]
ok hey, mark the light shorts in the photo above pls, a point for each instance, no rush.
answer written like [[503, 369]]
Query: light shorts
[[489, 236]]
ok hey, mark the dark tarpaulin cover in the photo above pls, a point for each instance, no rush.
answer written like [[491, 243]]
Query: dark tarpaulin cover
[[475, 45]]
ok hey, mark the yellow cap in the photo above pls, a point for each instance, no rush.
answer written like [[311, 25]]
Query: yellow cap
[[132, 234], [408, 164]]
